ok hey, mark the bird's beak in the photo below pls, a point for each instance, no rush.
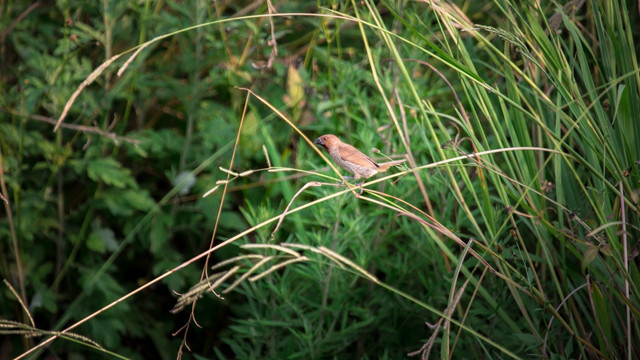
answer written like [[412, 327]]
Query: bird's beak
[[318, 142]]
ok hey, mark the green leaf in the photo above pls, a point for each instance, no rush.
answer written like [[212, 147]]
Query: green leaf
[[110, 172], [101, 238], [568, 349], [159, 234], [589, 255], [603, 313], [295, 89], [94, 243], [125, 202]]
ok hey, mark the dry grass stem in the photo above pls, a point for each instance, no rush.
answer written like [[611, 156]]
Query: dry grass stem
[[271, 246]]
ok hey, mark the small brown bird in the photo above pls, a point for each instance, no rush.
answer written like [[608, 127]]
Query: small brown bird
[[351, 159]]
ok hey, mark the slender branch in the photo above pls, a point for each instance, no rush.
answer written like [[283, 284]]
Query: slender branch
[[83, 128]]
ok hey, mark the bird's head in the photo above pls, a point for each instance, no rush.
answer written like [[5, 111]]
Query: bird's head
[[327, 141]]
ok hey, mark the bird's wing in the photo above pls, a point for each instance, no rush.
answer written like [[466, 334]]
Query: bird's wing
[[351, 154]]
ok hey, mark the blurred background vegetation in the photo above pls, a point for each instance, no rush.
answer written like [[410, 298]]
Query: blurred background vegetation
[[526, 251]]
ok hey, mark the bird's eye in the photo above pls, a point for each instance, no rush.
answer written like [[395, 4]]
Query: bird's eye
[[324, 138]]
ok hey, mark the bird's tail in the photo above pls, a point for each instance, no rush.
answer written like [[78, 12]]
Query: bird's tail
[[387, 165]]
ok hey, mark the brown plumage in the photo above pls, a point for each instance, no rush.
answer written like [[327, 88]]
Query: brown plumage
[[352, 159]]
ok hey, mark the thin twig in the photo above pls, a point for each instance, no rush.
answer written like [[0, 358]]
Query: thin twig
[[22, 304], [466, 313], [83, 128], [446, 316], [17, 20], [453, 91], [625, 258], [307, 185], [204, 273], [14, 238], [403, 116], [273, 42], [544, 343]]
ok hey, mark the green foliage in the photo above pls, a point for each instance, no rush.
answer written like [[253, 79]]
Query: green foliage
[[519, 120]]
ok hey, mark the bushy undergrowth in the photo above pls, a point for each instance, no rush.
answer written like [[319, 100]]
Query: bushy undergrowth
[[510, 233]]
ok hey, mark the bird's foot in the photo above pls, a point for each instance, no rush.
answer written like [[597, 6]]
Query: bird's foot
[[345, 177]]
